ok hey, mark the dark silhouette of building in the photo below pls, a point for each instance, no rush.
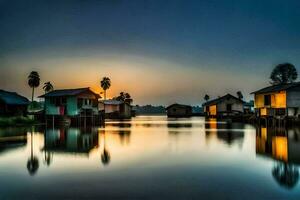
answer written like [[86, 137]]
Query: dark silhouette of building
[[179, 110], [12, 104]]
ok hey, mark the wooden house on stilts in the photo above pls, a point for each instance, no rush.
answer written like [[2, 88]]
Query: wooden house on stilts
[[73, 106]]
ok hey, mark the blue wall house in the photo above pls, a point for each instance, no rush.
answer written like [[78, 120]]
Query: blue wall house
[[72, 104]]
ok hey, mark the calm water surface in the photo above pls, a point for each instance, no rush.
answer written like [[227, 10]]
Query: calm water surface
[[150, 157]]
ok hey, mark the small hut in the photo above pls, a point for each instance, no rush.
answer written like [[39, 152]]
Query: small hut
[[179, 110]]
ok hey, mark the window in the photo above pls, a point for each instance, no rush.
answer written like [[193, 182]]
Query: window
[[87, 102], [267, 100], [229, 107]]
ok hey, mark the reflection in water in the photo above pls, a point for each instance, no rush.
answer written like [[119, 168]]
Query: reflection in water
[[33, 161], [105, 156], [145, 153], [175, 128], [12, 138], [226, 132], [283, 146], [286, 174], [123, 129], [70, 140]]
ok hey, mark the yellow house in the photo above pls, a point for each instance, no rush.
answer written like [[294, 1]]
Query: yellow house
[[278, 100]]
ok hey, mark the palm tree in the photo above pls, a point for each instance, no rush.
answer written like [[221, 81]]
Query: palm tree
[[240, 95], [48, 87], [283, 73], [33, 81], [206, 97], [105, 84]]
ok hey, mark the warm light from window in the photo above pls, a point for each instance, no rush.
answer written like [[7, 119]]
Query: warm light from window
[[213, 110], [263, 111]]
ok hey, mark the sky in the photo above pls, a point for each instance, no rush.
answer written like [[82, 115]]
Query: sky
[[161, 52]]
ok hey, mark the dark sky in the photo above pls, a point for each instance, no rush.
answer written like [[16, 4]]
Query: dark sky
[[159, 51]]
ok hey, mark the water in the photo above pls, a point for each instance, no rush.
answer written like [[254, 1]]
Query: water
[[150, 158]]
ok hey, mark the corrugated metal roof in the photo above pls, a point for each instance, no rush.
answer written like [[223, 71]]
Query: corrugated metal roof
[[13, 98], [277, 88], [67, 92]]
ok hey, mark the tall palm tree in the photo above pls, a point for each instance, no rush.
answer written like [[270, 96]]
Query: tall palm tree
[[48, 87], [33, 81], [105, 84]]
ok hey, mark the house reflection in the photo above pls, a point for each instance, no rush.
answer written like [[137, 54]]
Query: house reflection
[[229, 133], [70, 140], [122, 129], [283, 146], [179, 128]]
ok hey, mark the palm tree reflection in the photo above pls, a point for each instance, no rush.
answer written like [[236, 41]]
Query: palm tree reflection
[[33, 162], [105, 156], [48, 157]]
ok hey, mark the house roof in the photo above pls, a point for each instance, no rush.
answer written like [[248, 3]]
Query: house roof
[[178, 105], [13, 98], [217, 100], [68, 92], [111, 102], [277, 88]]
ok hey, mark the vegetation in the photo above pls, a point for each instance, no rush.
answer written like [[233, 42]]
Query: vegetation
[[33, 82], [124, 97], [240, 95], [149, 109], [283, 73], [206, 97], [35, 106], [105, 84], [48, 87], [16, 121]]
